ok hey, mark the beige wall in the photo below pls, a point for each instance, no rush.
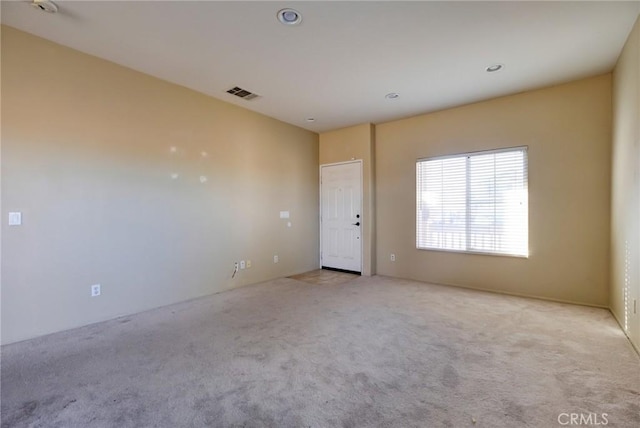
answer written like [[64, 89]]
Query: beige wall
[[625, 205], [568, 131], [357, 142], [86, 158]]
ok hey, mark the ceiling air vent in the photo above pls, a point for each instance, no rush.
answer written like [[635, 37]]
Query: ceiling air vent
[[242, 93]]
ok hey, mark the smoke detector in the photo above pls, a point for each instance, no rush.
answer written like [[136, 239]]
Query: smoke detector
[[45, 6]]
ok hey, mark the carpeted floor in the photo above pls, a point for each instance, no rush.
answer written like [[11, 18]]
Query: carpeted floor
[[371, 352]]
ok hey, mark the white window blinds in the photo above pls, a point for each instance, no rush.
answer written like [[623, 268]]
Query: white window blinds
[[474, 202]]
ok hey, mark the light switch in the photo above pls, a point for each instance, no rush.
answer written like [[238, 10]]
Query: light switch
[[15, 219], [284, 214]]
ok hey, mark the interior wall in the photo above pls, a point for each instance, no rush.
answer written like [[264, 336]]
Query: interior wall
[[568, 131], [357, 142], [145, 187], [625, 204]]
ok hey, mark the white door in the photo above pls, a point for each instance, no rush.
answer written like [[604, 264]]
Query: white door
[[341, 216]]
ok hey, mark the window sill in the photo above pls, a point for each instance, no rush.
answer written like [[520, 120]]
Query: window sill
[[477, 253]]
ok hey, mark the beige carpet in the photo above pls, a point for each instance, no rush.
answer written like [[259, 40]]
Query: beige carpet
[[371, 352]]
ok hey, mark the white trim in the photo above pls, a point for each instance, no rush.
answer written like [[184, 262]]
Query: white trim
[[477, 253], [475, 153], [362, 219]]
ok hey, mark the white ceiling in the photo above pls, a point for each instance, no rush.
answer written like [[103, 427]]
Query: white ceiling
[[339, 63]]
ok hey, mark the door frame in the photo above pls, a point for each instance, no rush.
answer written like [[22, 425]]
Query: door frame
[[362, 220]]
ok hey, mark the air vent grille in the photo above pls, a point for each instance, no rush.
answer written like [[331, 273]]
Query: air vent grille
[[242, 93]]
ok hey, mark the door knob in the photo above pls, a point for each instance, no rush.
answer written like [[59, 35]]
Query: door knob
[[356, 224]]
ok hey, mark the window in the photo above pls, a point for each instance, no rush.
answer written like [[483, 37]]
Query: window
[[474, 202]]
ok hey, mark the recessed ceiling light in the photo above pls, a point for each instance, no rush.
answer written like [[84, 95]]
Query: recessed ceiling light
[[493, 68], [311, 119], [289, 16], [392, 95]]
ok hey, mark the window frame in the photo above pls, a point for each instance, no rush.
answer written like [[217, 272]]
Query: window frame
[[525, 149]]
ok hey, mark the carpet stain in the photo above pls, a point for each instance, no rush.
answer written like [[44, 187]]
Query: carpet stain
[[361, 378], [24, 413], [363, 415], [289, 364], [211, 410], [239, 391], [515, 411], [450, 377], [69, 403], [260, 356], [256, 416], [526, 344]]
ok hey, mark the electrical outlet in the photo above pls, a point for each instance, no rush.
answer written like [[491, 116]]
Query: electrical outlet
[[243, 264], [276, 259], [248, 264], [393, 257], [95, 290], [15, 219]]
